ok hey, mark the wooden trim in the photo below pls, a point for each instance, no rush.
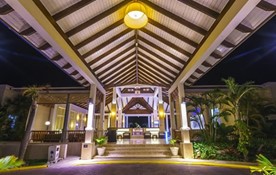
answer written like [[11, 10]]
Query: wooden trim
[[119, 68], [96, 18], [6, 9], [173, 33], [115, 61], [201, 8], [175, 17], [99, 34], [159, 57], [27, 32], [71, 9], [169, 44], [109, 41]]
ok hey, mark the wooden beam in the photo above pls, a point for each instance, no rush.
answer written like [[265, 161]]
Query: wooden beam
[[45, 46], [27, 32], [99, 34], [160, 72], [216, 55], [115, 62], [57, 57], [75, 72], [206, 64], [264, 5], [152, 81], [228, 44], [155, 62], [96, 18], [154, 75], [111, 51], [118, 72], [6, 9], [66, 66], [169, 44], [175, 17], [71, 9], [199, 71], [243, 28], [159, 57], [201, 8], [121, 76], [104, 44], [173, 33]]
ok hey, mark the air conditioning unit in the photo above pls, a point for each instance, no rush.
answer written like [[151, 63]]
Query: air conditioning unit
[[53, 153]]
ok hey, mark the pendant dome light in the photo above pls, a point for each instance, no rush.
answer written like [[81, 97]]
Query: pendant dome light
[[135, 15]]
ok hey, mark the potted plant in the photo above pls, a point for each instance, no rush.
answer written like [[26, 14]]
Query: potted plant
[[100, 142], [174, 149]]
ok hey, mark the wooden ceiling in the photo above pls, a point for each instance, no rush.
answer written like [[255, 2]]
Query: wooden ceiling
[[92, 33]]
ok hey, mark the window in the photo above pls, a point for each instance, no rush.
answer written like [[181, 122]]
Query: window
[[197, 122]]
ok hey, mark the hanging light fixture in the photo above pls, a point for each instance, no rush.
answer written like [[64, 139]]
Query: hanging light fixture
[[135, 15]]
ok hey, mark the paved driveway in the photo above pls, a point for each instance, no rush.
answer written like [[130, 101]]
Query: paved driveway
[[133, 169]]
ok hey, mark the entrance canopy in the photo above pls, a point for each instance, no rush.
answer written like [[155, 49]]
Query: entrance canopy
[[182, 40]]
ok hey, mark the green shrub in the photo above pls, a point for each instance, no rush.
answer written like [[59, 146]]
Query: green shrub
[[264, 166]]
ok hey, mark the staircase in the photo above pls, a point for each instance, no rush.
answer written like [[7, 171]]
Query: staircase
[[137, 151]]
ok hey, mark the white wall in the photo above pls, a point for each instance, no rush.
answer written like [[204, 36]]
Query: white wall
[[42, 115]]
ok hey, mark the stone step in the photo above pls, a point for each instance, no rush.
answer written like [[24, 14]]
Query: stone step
[[136, 148], [138, 152], [133, 156]]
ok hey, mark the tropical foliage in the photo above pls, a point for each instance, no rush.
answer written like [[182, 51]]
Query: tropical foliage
[[13, 115], [101, 141], [10, 162], [241, 104], [264, 166]]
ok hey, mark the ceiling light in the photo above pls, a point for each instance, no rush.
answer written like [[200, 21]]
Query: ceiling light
[[135, 15]]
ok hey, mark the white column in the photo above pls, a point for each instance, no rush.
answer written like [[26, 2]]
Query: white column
[[101, 122], [186, 145], [91, 114]]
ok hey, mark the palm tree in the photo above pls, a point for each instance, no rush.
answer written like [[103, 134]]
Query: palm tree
[[235, 95], [33, 93]]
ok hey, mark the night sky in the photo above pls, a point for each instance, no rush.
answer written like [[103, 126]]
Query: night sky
[[22, 65]]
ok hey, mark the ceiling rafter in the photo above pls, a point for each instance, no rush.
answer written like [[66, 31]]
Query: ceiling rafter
[[175, 17], [159, 57], [199, 71], [45, 46], [168, 43], [156, 62], [96, 18], [99, 34], [228, 44], [75, 72], [216, 55], [111, 51], [173, 33], [153, 82], [243, 28], [27, 32], [114, 58], [155, 75], [57, 57], [266, 6], [144, 63], [66, 66], [121, 76], [122, 83], [6, 9], [71, 9], [116, 70], [63, 35], [201, 8], [162, 50], [107, 42]]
